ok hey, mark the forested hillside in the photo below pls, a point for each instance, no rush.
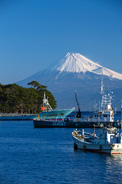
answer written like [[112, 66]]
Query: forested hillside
[[17, 99]]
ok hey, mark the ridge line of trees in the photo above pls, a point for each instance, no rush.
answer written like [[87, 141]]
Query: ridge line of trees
[[17, 99]]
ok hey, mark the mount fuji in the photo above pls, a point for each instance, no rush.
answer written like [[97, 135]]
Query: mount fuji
[[77, 63], [76, 72]]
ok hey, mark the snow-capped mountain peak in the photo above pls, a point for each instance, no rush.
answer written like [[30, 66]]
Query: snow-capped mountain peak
[[76, 72], [77, 63]]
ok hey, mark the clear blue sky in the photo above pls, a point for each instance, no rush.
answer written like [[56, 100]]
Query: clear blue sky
[[37, 33]]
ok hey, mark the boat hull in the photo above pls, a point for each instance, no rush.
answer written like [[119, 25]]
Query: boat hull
[[41, 123], [38, 123], [54, 114]]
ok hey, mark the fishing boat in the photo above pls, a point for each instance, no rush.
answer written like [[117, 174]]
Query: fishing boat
[[60, 118], [51, 118], [109, 141], [104, 115], [101, 117]]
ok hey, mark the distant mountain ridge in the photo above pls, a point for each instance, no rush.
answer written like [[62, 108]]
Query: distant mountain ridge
[[76, 72]]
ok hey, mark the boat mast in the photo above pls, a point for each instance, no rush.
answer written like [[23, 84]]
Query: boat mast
[[102, 87], [102, 92], [78, 115], [106, 98], [46, 103]]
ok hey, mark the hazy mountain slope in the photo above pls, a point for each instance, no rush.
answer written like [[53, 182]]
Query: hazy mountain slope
[[76, 72]]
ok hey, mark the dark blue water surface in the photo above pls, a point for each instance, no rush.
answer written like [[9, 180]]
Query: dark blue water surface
[[46, 155]]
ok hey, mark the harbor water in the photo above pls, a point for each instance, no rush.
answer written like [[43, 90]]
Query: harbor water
[[47, 155]]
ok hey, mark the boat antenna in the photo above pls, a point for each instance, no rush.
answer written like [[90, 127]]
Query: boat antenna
[[102, 86], [94, 129], [78, 115]]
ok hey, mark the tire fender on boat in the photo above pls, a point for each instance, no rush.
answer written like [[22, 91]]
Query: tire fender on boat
[[84, 146], [100, 147], [75, 146]]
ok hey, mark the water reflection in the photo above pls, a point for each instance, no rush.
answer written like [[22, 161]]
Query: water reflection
[[113, 168], [117, 157]]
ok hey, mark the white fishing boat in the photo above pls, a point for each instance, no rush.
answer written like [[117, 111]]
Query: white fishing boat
[[104, 115], [109, 141]]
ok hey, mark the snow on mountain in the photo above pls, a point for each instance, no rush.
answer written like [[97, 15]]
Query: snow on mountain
[[77, 63], [76, 72]]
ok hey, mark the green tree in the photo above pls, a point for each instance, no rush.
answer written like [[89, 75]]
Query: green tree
[[14, 98]]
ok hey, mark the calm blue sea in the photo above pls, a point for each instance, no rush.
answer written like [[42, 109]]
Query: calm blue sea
[[46, 155]]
